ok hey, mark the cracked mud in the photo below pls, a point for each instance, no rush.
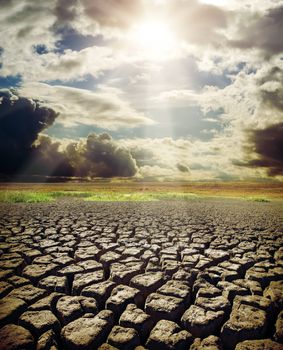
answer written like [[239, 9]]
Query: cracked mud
[[204, 274]]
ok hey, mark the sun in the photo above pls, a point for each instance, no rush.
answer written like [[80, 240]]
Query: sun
[[153, 39]]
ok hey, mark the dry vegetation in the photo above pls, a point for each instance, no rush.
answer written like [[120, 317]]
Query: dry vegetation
[[246, 190]]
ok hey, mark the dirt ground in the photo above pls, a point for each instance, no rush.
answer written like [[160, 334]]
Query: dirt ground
[[202, 274]]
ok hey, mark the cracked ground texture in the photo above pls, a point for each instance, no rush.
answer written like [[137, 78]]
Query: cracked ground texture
[[202, 274]]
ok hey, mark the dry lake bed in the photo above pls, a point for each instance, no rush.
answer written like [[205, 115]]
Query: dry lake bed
[[201, 274]]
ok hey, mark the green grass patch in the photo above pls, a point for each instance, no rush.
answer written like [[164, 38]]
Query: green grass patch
[[12, 196], [139, 197], [24, 197], [71, 194], [121, 197], [38, 197], [258, 199], [173, 196]]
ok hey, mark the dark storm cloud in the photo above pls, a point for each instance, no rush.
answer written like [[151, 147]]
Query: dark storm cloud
[[21, 120], [101, 156], [24, 151], [46, 158], [263, 33], [5, 2], [182, 168], [267, 144], [271, 89]]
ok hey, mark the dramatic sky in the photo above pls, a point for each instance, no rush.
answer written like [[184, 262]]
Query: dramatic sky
[[149, 89]]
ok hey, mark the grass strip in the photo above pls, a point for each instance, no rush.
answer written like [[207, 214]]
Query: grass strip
[[24, 197], [11, 196]]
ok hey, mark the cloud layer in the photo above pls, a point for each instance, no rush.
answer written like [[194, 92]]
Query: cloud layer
[[105, 108], [207, 107], [21, 121], [267, 148], [24, 151]]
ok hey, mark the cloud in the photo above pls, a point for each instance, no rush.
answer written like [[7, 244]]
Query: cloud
[[182, 168], [261, 32], [162, 158], [94, 156], [30, 24], [267, 145], [21, 121], [27, 20], [105, 108], [237, 42], [204, 160], [112, 13], [47, 159], [53, 65], [199, 23], [66, 10], [206, 27], [24, 25], [142, 155], [101, 156], [271, 89], [252, 101], [177, 98], [24, 151]]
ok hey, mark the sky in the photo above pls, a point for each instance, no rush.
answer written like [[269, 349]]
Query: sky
[[169, 90]]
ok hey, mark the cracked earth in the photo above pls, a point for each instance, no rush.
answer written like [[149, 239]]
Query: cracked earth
[[203, 274]]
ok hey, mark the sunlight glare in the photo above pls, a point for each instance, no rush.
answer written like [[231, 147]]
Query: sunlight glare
[[154, 40], [216, 2]]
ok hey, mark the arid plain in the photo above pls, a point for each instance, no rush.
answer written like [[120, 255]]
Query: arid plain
[[200, 273]]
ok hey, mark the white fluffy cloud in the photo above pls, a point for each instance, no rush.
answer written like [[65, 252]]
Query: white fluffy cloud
[[106, 108], [248, 107], [252, 99], [212, 160], [71, 65]]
